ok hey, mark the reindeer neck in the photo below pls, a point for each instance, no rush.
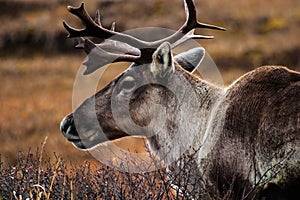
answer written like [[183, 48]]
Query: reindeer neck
[[190, 119], [207, 93]]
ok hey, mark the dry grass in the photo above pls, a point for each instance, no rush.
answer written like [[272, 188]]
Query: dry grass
[[35, 176], [35, 94]]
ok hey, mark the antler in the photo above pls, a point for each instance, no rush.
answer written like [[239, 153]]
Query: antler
[[116, 46]]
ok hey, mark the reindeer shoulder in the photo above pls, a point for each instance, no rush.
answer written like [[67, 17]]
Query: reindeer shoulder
[[266, 95]]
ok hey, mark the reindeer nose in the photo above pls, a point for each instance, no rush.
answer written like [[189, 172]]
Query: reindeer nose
[[66, 123]]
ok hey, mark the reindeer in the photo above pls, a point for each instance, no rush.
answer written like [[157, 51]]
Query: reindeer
[[245, 133]]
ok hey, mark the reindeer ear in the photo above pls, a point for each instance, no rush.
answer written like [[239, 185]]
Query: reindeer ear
[[190, 59], [162, 61]]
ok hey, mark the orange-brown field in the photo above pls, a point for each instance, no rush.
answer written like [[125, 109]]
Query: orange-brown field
[[38, 65]]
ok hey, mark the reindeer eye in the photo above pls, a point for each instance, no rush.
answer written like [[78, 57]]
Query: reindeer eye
[[128, 84]]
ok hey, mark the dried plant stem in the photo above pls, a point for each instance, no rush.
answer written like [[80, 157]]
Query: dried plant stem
[[53, 178], [39, 168], [40, 159], [71, 190]]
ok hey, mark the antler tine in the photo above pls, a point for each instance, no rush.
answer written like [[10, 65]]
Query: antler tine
[[191, 19], [186, 32], [85, 44], [113, 26], [98, 18]]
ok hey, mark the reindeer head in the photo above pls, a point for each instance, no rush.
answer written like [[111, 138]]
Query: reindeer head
[[135, 102]]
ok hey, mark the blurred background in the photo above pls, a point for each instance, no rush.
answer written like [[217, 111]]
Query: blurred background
[[38, 63]]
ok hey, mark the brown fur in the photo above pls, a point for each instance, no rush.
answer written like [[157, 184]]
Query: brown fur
[[261, 129]]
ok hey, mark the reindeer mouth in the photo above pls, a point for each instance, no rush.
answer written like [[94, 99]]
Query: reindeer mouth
[[68, 128], [87, 138], [83, 141]]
